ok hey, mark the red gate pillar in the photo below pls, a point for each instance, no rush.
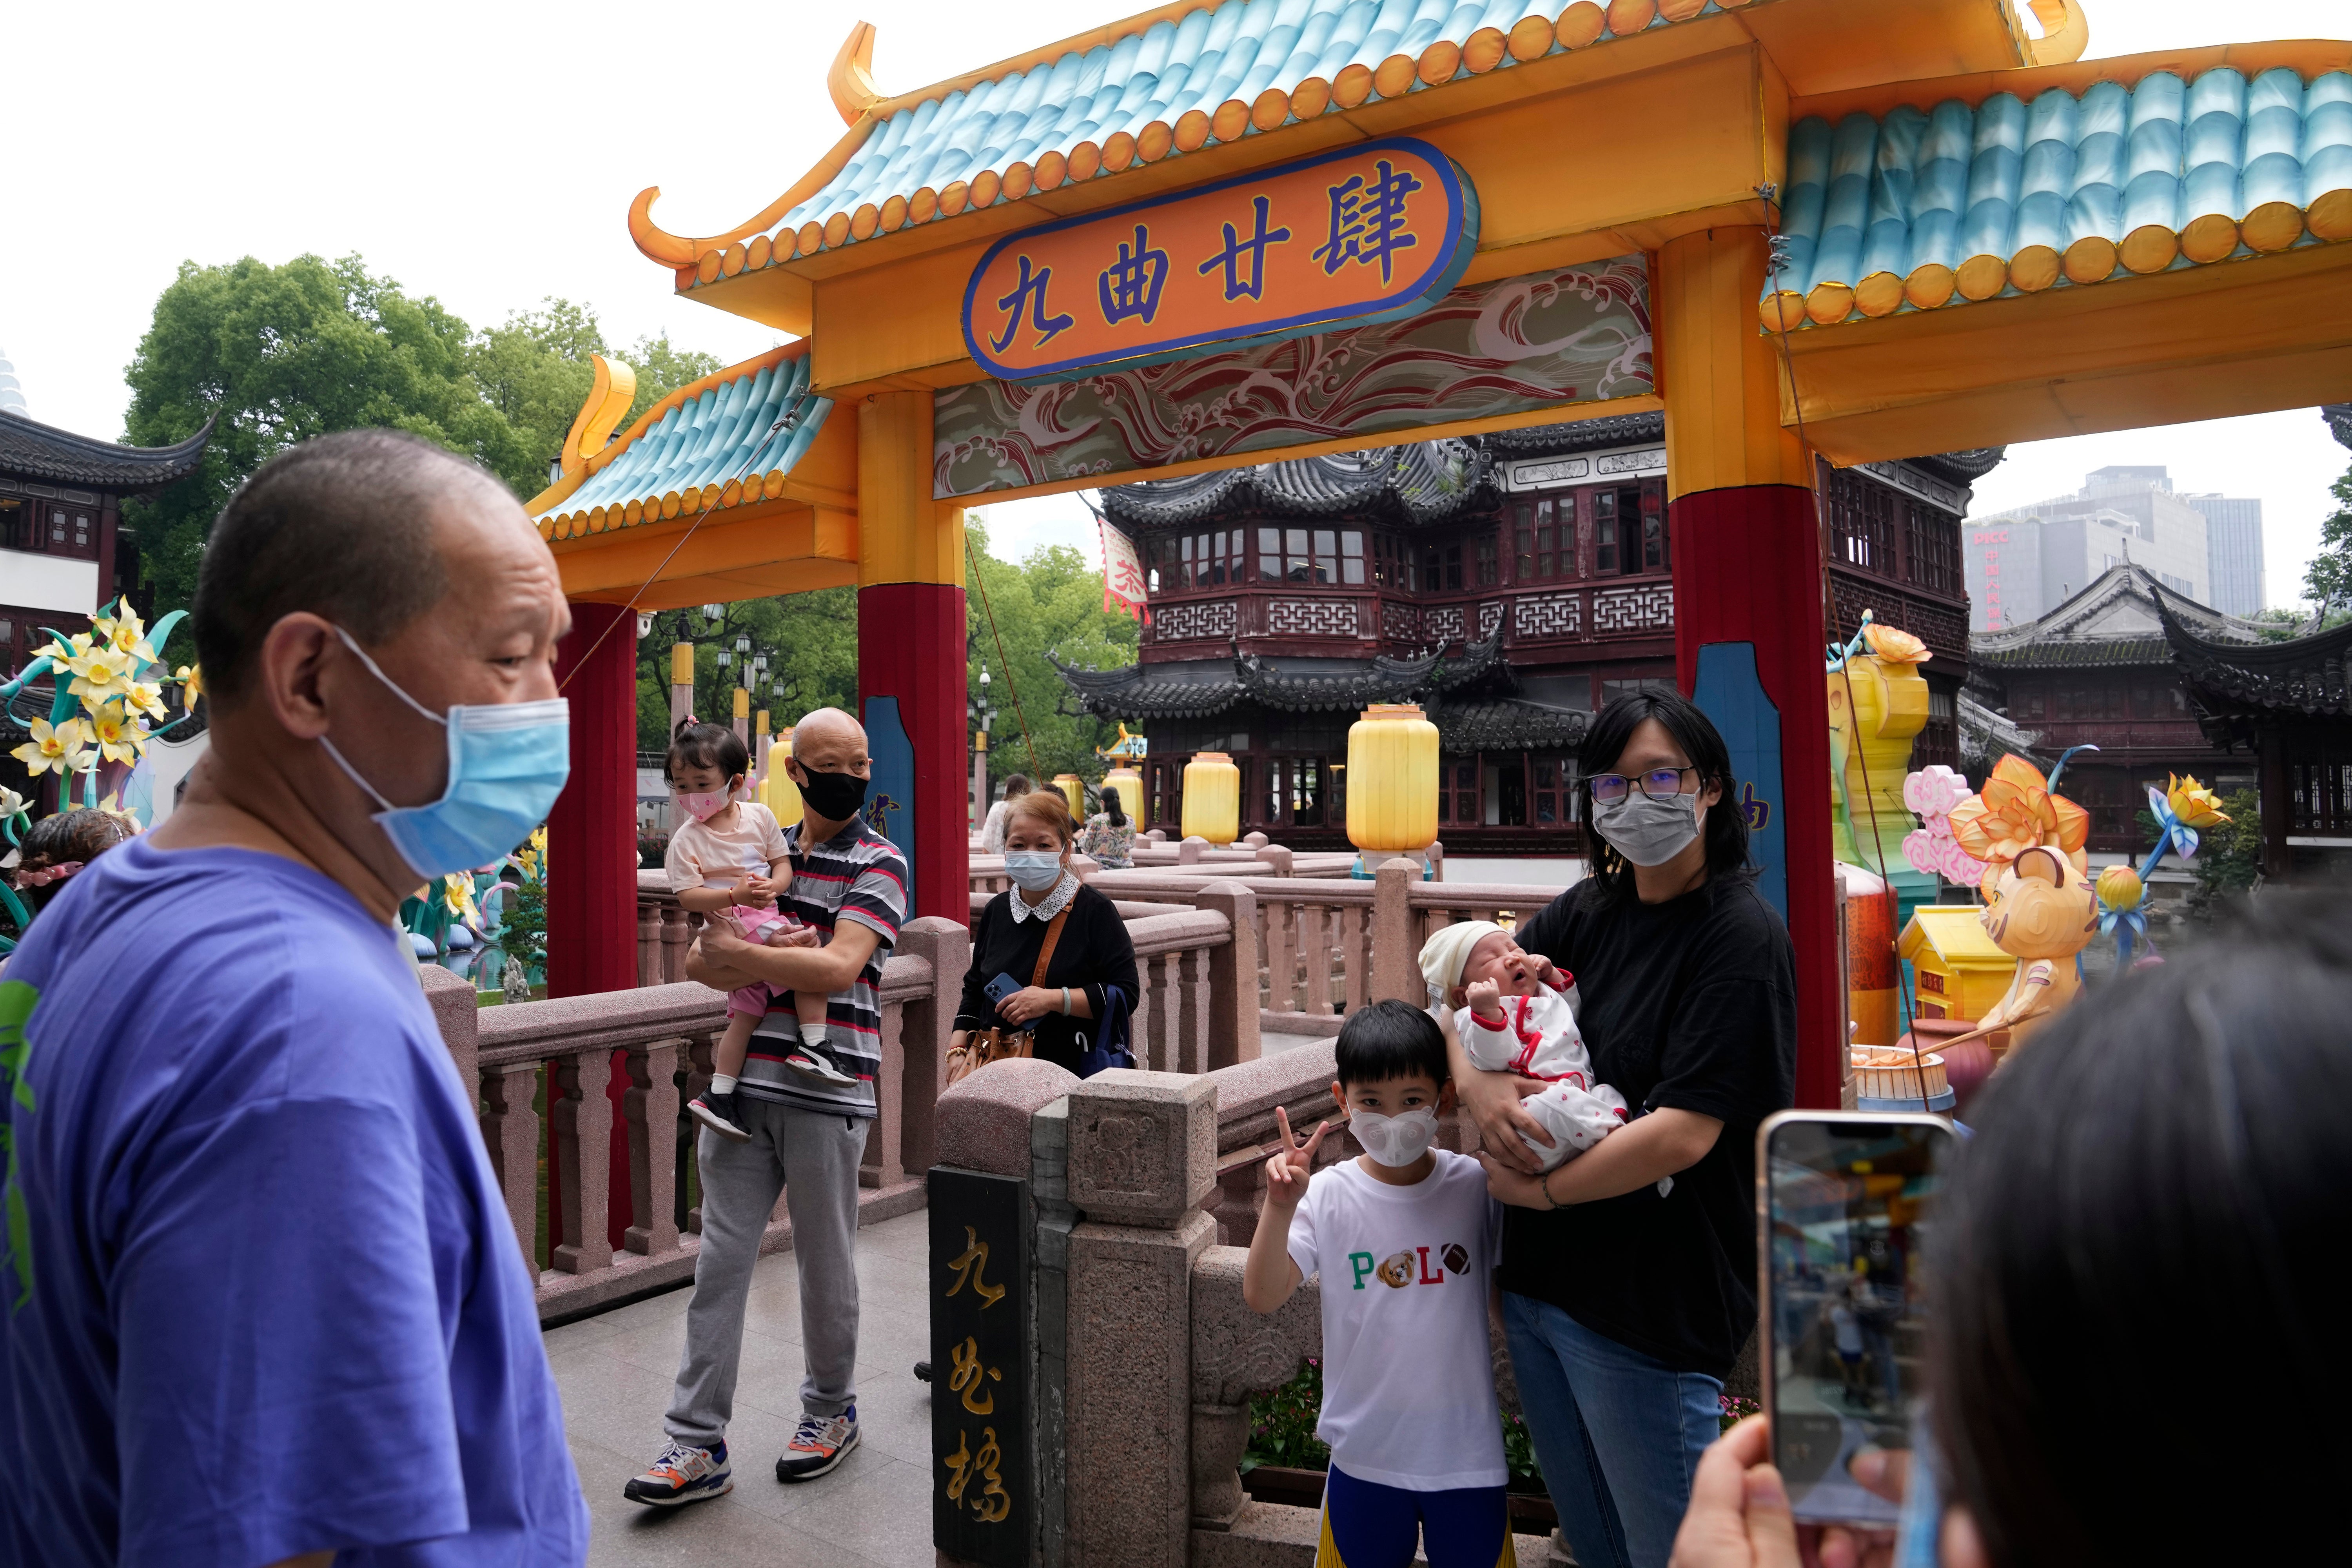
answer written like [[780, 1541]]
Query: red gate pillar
[[592, 903], [1747, 576], [911, 651]]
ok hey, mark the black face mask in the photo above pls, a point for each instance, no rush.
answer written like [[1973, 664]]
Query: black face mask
[[834, 797]]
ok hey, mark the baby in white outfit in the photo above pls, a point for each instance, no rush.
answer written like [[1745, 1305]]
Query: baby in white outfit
[[1515, 1013]]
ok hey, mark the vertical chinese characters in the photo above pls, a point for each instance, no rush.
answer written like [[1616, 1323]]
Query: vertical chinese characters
[[1369, 221], [972, 1475], [1238, 250], [1130, 285]]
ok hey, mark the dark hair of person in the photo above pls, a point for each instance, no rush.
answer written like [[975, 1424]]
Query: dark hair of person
[[2150, 1224], [70, 838], [1110, 805], [695, 745], [1046, 805], [1611, 732], [342, 527], [1016, 785], [1390, 1040]]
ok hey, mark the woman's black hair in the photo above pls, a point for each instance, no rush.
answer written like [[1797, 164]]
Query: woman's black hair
[[700, 745], [2140, 1265], [75, 836], [1110, 805], [1390, 1040], [1612, 731]]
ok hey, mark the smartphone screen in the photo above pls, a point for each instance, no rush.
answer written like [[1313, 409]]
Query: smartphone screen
[[1847, 1199]]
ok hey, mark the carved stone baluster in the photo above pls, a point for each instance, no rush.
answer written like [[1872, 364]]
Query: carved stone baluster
[[879, 1167], [698, 1068], [649, 953], [583, 1122], [510, 1129], [1282, 955], [649, 1106], [674, 935], [1192, 1008], [1314, 940]]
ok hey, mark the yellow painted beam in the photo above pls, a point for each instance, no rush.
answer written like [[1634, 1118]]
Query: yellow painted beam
[[726, 588], [2199, 342], [1720, 379], [611, 565], [905, 535]]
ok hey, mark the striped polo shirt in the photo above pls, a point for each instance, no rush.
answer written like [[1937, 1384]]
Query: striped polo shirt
[[855, 875]]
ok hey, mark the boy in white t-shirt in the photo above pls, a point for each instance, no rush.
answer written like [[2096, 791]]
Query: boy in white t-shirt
[[1405, 1239]]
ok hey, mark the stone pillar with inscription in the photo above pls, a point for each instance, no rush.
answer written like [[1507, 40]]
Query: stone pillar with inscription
[[1142, 1163]]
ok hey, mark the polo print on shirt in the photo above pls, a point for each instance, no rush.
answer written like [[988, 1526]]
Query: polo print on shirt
[[1414, 1265]]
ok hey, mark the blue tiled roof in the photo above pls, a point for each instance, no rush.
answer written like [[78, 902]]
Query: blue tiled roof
[[1919, 208], [1128, 101], [719, 436]]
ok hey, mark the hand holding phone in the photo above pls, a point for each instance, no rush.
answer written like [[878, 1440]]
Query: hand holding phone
[[1842, 1198], [1003, 986]]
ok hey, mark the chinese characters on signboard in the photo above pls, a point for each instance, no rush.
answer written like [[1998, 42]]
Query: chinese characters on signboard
[[1123, 579], [981, 1505], [1374, 233]]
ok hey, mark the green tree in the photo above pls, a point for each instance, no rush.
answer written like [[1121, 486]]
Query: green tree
[[284, 354], [2328, 581]]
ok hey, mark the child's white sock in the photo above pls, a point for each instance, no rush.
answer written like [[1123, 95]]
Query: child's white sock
[[812, 1034], [722, 1083]]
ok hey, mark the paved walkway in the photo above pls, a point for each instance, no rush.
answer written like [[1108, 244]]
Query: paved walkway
[[874, 1511]]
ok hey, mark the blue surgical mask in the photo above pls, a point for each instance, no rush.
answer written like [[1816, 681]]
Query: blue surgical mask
[[1035, 869], [507, 762]]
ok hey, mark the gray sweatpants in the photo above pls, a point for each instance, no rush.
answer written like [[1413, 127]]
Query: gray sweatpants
[[811, 1158]]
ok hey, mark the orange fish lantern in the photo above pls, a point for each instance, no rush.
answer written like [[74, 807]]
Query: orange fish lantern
[[2040, 905]]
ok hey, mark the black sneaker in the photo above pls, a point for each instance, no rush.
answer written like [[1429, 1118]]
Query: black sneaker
[[718, 1113], [812, 1063], [820, 1445], [683, 1474]]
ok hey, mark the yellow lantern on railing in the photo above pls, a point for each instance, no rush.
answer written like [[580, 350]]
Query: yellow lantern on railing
[[1129, 785], [777, 790], [1391, 780], [1212, 798], [1074, 790]]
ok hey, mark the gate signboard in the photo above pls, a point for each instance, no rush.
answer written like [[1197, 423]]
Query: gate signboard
[[983, 1500], [1374, 233]]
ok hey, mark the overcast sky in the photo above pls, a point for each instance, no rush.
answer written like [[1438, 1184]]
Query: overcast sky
[[487, 153]]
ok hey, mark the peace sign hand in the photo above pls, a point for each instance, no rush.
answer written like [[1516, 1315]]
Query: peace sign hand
[[1287, 1170]]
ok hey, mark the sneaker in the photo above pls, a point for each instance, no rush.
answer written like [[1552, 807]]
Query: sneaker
[[821, 1444], [718, 1113], [812, 1063], [683, 1474]]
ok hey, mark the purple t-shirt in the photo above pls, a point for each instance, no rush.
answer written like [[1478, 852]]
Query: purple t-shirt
[[261, 1293]]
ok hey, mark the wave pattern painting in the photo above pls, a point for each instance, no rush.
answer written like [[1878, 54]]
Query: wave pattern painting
[[1577, 335]]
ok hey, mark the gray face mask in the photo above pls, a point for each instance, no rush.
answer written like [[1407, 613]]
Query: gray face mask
[[1647, 831]]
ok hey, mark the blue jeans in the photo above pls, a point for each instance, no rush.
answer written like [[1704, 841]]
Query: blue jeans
[[1618, 1434]]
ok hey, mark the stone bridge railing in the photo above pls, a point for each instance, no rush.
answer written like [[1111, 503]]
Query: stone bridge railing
[[591, 1091]]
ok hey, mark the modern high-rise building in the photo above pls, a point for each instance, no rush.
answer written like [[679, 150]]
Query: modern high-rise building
[[2024, 563], [2233, 549]]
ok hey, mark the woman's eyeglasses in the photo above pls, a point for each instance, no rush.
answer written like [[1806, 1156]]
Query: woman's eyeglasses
[[1611, 787]]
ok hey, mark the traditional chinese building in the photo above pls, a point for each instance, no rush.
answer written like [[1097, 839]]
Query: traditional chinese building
[[63, 552], [1512, 583], [2100, 670]]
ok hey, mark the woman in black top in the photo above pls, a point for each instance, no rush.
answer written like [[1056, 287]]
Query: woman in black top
[[1092, 975], [1626, 1309]]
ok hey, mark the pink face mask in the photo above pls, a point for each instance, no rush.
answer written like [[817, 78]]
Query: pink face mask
[[704, 805]]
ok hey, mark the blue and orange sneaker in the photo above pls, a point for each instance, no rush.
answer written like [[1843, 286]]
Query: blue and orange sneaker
[[820, 1445], [683, 1474]]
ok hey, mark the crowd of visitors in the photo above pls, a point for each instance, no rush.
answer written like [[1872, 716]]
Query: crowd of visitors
[[263, 1300]]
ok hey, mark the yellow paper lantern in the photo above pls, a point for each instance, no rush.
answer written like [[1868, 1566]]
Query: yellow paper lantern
[[1391, 780], [1129, 785], [1890, 709], [777, 790], [1212, 798], [1074, 790]]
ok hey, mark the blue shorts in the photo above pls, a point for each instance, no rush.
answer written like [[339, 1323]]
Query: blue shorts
[[1367, 1525]]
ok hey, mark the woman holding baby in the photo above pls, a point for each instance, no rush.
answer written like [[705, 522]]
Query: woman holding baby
[[1628, 1271]]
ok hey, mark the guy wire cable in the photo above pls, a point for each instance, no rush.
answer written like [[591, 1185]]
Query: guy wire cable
[[1775, 264], [791, 417], [972, 562]]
